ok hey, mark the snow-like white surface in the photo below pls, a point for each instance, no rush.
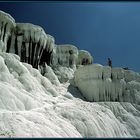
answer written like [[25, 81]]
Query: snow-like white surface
[[35, 40], [7, 24], [32, 31], [65, 55], [64, 74], [49, 73], [31, 106], [50, 43], [83, 54], [30, 41], [101, 83]]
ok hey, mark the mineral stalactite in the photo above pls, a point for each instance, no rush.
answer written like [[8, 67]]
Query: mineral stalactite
[[7, 26], [35, 47]]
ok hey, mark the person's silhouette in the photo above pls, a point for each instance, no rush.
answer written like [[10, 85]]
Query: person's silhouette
[[109, 62]]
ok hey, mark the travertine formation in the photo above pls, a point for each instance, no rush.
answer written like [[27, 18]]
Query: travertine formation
[[65, 55], [102, 83], [29, 42], [7, 26], [96, 82], [84, 58], [36, 47], [41, 105]]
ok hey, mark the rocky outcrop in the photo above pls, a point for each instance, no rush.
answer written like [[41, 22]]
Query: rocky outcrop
[[65, 55], [35, 47], [7, 26], [84, 58], [102, 83]]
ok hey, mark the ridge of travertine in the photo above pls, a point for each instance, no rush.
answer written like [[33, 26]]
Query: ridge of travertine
[[47, 105], [36, 47]]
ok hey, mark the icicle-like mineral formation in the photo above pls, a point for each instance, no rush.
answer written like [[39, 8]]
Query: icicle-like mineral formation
[[7, 26], [35, 47], [84, 58], [46, 56], [29, 42], [65, 55], [102, 83]]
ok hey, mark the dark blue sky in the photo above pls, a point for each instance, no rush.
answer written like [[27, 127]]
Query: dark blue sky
[[105, 29]]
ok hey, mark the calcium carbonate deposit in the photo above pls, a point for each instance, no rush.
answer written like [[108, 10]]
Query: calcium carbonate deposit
[[50, 90]]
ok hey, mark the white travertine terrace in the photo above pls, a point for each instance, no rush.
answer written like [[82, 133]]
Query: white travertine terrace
[[46, 56], [48, 104], [7, 25], [102, 83], [84, 58], [35, 47], [65, 55], [50, 43], [31, 40]]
